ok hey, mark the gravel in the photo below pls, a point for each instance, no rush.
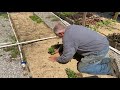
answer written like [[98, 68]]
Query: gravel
[[5, 31], [9, 68]]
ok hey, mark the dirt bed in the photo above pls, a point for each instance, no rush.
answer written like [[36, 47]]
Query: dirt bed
[[39, 64], [27, 29]]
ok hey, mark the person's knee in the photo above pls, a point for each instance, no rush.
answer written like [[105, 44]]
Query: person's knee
[[80, 66]]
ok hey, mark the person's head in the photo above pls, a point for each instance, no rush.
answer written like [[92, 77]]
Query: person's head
[[59, 30]]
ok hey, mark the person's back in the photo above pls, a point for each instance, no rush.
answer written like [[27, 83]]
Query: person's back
[[85, 40]]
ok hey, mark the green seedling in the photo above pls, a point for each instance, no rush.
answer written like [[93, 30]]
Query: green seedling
[[36, 18], [51, 51], [70, 73]]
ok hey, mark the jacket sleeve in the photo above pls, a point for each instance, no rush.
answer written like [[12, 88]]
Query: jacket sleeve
[[68, 52]]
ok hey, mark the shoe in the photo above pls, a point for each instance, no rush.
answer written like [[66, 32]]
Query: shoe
[[115, 70]]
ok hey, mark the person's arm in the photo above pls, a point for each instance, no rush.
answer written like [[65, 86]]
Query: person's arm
[[68, 52]]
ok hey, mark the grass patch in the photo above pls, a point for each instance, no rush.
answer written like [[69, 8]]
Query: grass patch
[[36, 18], [70, 73], [4, 15], [1, 55], [14, 51]]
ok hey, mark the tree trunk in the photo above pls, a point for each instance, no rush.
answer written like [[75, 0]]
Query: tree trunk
[[84, 18], [116, 15]]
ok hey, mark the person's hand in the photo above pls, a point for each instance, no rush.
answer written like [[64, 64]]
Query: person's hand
[[53, 58], [56, 51]]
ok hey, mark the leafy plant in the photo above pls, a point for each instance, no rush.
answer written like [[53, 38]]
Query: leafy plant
[[36, 18], [70, 73], [51, 50]]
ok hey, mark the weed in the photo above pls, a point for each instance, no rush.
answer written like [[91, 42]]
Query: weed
[[70, 73], [36, 18], [14, 51], [4, 15], [1, 55]]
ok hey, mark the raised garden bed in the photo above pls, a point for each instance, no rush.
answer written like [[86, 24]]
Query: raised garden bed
[[76, 17], [28, 26]]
